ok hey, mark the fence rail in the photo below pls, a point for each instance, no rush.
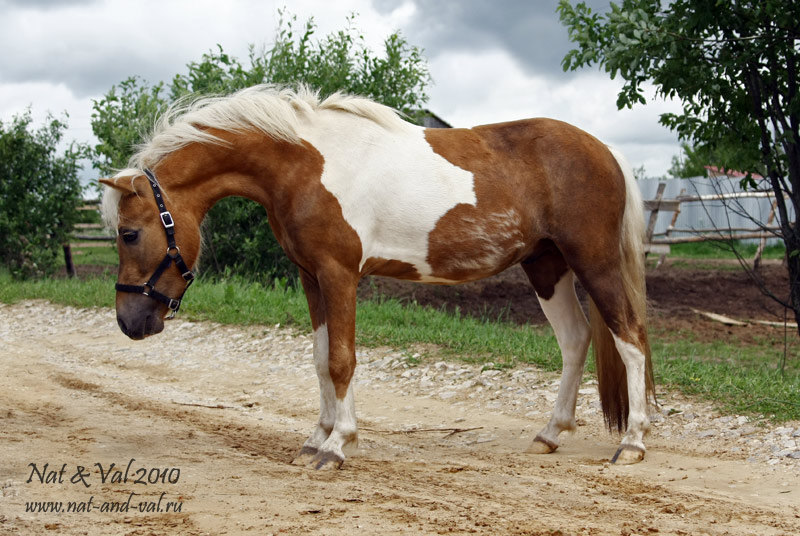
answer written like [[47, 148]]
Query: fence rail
[[83, 228], [660, 242]]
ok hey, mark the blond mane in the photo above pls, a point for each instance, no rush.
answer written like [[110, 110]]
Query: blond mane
[[274, 111]]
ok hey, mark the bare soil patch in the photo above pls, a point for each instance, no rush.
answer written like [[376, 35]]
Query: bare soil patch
[[672, 291]]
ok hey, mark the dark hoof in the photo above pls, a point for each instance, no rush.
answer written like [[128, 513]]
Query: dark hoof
[[327, 460], [628, 454]]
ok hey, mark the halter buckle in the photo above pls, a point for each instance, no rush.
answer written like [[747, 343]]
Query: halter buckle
[[173, 256], [166, 219]]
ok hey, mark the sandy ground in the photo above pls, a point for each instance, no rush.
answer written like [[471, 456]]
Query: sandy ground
[[207, 419]]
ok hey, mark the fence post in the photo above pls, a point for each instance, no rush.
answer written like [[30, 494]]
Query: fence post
[[68, 261], [763, 243], [671, 226], [651, 226]]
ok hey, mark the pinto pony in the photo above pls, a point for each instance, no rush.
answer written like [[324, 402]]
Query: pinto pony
[[353, 190]]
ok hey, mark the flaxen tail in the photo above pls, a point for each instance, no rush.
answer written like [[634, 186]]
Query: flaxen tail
[[611, 373]]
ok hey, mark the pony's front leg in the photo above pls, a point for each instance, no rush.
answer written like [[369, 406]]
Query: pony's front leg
[[327, 413], [332, 309]]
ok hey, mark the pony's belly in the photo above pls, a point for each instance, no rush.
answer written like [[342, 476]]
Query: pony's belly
[[464, 245]]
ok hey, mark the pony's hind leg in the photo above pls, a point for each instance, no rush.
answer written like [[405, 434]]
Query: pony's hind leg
[[555, 287], [632, 448], [622, 357]]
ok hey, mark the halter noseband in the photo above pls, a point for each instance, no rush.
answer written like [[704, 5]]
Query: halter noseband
[[173, 256]]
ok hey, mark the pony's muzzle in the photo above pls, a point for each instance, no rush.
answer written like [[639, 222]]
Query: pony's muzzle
[[139, 319]]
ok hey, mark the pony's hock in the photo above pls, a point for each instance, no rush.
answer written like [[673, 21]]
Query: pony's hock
[[353, 190]]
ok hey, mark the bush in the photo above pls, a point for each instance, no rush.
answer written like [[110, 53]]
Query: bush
[[39, 195], [238, 240]]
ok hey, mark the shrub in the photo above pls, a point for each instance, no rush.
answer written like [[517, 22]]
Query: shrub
[[39, 195]]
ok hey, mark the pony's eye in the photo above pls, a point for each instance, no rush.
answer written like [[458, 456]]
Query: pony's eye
[[128, 236]]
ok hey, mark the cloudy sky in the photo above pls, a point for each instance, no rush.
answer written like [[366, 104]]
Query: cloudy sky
[[491, 60]]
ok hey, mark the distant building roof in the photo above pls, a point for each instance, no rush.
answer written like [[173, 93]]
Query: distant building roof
[[714, 171], [431, 120]]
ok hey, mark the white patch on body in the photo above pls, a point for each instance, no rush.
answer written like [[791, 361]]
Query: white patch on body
[[392, 187]]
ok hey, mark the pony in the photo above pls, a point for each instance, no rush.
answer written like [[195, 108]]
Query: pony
[[352, 189]]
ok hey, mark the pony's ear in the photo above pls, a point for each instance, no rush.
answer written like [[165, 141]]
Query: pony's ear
[[123, 184]]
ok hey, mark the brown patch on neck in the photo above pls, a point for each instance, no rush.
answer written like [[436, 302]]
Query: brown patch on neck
[[281, 176]]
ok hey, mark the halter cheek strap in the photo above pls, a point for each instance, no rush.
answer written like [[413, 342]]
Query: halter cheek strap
[[173, 256]]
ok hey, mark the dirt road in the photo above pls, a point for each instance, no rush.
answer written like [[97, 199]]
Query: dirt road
[[200, 424]]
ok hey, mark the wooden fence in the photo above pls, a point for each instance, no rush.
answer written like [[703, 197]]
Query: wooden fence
[[659, 243], [92, 233]]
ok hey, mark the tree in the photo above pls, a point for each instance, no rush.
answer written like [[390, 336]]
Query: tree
[[732, 64], [689, 164], [121, 119], [694, 159], [236, 233], [39, 195]]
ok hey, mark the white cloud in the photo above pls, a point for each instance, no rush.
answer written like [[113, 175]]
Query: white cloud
[[492, 87], [91, 47], [16, 98], [60, 55], [64, 55]]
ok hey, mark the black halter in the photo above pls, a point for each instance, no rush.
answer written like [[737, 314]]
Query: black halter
[[173, 256]]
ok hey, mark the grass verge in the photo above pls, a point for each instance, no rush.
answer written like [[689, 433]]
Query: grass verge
[[723, 250], [739, 378]]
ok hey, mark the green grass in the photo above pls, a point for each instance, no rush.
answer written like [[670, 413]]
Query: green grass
[[722, 250], [738, 377], [391, 323], [93, 292], [760, 390], [244, 303], [741, 378], [95, 256]]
